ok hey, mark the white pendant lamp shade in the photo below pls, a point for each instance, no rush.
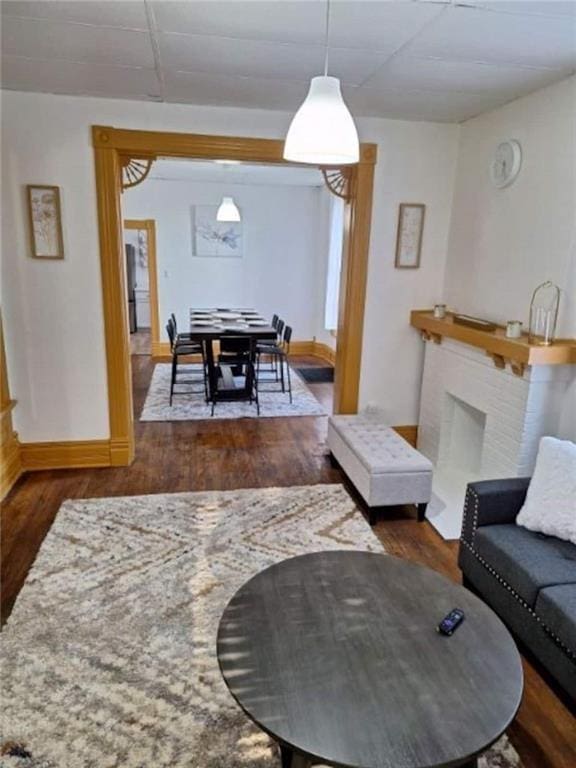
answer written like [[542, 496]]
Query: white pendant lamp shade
[[322, 132], [228, 210]]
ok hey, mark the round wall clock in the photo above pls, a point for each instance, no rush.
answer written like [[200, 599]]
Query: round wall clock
[[506, 163]]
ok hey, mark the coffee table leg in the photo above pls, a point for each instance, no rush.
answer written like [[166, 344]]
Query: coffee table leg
[[291, 759]]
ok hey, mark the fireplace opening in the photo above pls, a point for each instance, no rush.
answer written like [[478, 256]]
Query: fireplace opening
[[462, 436]]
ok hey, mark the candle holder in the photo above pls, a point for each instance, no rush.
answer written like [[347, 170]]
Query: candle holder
[[544, 314], [513, 329]]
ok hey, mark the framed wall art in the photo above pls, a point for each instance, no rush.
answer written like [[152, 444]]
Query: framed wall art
[[215, 238], [409, 235], [45, 221]]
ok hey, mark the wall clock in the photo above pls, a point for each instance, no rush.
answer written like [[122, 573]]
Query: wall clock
[[506, 163]]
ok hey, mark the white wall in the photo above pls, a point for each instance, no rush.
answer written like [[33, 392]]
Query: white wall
[[53, 311], [504, 242], [278, 273], [416, 163]]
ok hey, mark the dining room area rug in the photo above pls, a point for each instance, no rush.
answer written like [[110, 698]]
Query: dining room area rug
[[188, 403], [317, 374], [109, 656]]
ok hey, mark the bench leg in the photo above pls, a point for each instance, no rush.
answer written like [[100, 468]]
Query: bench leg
[[333, 460], [422, 512]]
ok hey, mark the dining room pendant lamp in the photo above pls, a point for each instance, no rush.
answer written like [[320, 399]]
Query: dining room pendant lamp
[[228, 210], [322, 132]]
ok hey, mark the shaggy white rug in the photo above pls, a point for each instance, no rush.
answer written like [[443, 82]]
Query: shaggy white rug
[[192, 406], [109, 657]]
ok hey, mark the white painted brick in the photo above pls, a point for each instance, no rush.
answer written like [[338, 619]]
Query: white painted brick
[[519, 410]]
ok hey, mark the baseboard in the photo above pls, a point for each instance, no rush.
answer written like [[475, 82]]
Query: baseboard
[[409, 432], [324, 352], [161, 351], [302, 348], [10, 464], [122, 452], [72, 454]]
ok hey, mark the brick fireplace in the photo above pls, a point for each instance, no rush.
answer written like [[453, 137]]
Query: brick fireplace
[[479, 421]]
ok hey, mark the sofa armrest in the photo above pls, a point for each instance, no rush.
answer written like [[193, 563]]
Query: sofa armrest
[[492, 502]]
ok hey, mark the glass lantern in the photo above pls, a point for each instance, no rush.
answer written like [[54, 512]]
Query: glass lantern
[[544, 314]]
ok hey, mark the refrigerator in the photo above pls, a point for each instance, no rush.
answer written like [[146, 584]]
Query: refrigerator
[[131, 286]]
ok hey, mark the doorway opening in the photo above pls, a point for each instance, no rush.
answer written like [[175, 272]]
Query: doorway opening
[[141, 284], [118, 153]]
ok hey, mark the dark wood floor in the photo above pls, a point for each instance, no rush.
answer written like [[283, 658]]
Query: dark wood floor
[[248, 453]]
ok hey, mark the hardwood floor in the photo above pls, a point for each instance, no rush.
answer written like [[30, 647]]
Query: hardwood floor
[[140, 342], [205, 455]]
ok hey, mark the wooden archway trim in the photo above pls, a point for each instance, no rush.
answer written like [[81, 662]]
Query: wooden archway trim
[[111, 145]]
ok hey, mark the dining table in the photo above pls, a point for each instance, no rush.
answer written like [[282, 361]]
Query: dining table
[[210, 324]]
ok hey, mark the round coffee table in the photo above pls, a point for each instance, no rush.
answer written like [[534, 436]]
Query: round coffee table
[[337, 657]]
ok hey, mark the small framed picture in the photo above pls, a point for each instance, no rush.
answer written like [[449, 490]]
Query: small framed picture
[[409, 236], [45, 222], [212, 237]]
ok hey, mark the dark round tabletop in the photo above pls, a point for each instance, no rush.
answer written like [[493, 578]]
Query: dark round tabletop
[[336, 655]]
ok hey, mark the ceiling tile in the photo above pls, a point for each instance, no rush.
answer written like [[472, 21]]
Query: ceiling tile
[[377, 25], [287, 21], [353, 66], [440, 106], [57, 76], [259, 93], [245, 58], [531, 7], [113, 14], [44, 39], [412, 60], [252, 58], [468, 34], [436, 74]]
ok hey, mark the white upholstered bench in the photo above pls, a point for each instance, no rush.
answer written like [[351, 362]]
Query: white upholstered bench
[[382, 466]]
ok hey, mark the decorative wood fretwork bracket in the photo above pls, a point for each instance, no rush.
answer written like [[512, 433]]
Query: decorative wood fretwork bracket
[[338, 180], [499, 361], [135, 170], [430, 336]]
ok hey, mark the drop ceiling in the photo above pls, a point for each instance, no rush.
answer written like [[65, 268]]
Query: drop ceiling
[[410, 59]]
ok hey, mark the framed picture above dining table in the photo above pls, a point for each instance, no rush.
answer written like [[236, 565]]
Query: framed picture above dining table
[[213, 238]]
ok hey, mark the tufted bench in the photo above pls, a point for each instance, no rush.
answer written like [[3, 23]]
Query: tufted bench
[[383, 467]]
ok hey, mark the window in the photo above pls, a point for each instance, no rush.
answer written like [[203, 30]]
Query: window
[[335, 243]]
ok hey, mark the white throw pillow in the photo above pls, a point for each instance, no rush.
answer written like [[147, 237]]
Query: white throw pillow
[[550, 505]]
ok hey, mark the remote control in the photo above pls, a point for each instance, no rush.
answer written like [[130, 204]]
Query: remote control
[[451, 622]]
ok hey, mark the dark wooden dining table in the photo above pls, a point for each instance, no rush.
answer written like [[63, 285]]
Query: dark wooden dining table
[[208, 334]]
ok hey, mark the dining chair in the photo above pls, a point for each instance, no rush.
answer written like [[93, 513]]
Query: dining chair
[[279, 352], [180, 346], [224, 386]]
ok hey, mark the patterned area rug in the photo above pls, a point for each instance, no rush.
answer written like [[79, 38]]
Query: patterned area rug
[[109, 655], [190, 407]]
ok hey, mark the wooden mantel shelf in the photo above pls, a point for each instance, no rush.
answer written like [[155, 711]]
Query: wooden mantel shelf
[[518, 352]]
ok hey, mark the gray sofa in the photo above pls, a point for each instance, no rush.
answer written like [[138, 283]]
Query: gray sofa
[[529, 579]]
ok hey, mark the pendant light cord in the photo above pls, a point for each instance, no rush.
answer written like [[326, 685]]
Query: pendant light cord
[[326, 38]]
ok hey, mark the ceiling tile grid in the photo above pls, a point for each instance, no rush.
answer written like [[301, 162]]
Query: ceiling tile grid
[[439, 60]]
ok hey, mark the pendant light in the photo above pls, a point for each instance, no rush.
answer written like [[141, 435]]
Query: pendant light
[[228, 210], [322, 132]]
